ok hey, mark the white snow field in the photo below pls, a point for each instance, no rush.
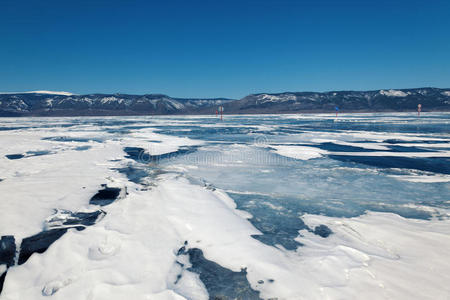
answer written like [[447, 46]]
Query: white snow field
[[281, 207]]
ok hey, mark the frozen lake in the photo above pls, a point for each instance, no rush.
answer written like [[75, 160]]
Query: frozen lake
[[251, 207]]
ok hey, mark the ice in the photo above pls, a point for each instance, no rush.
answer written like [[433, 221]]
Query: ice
[[376, 253], [299, 152], [130, 252], [38, 185], [155, 143], [262, 198], [365, 145], [423, 178], [394, 154]]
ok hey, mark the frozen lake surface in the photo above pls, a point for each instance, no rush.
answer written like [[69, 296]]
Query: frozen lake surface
[[251, 207]]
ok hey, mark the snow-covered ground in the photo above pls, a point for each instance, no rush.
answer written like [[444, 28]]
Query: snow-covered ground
[[285, 207]]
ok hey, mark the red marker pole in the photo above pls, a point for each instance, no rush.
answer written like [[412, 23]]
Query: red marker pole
[[419, 108]]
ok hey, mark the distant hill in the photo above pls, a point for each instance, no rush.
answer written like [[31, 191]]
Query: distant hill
[[65, 104], [432, 99], [45, 103]]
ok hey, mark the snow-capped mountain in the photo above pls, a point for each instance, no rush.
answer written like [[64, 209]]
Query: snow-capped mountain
[[350, 101], [41, 92], [45, 103]]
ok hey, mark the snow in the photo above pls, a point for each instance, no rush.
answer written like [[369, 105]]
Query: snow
[[393, 93], [41, 92], [110, 100], [49, 102], [381, 256], [276, 98], [132, 251], [70, 176], [423, 178], [37, 185], [299, 152], [175, 104], [309, 152], [446, 93], [156, 144]]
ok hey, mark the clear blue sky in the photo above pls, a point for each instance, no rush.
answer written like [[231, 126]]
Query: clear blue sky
[[222, 48]]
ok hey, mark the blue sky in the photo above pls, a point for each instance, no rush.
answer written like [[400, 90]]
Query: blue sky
[[222, 48]]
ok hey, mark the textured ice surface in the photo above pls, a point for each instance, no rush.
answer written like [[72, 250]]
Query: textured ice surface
[[287, 207]]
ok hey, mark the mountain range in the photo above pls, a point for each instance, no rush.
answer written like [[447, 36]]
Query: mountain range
[[46, 103]]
